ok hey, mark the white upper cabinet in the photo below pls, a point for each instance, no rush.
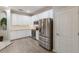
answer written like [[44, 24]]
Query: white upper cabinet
[[21, 19], [46, 14], [35, 17], [50, 13]]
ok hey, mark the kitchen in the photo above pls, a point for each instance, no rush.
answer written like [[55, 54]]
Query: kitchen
[[23, 23], [25, 26]]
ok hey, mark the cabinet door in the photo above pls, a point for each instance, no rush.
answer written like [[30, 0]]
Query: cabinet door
[[50, 13], [64, 40], [46, 14]]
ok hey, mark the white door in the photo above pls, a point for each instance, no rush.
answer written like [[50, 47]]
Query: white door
[[64, 40]]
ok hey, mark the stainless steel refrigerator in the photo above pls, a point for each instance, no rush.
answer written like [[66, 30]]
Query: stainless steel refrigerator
[[46, 33]]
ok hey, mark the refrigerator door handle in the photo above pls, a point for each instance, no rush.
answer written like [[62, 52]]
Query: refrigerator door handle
[[78, 33], [57, 34]]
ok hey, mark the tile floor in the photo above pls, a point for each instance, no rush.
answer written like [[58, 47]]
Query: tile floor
[[25, 45], [4, 44]]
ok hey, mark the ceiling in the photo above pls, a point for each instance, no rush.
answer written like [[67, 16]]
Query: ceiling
[[29, 10]]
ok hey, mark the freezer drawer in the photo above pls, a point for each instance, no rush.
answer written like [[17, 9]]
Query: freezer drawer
[[45, 43]]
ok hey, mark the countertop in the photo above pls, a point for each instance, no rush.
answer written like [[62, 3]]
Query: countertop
[[22, 27]]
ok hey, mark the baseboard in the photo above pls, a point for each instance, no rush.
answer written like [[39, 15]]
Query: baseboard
[[20, 38], [6, 46], [53, 50]]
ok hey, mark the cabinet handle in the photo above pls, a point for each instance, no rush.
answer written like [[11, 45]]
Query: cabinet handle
[[57, 34], [78, 33]]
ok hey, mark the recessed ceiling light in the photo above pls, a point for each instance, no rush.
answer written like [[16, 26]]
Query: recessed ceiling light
[[20, 9], [28, 11], [6, 6]]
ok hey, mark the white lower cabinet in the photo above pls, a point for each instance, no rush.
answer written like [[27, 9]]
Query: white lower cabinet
[[19, 34]]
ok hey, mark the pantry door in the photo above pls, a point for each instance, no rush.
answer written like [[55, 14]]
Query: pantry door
[[64, 36]]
